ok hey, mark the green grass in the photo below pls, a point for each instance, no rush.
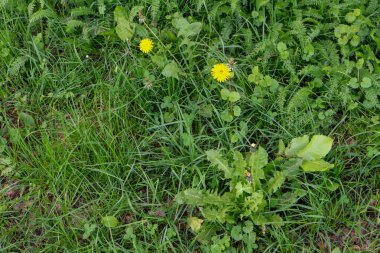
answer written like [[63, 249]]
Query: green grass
[[100, 144]]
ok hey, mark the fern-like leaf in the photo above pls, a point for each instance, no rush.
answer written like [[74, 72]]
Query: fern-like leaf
[[16, 65], [155, 5], [40, 14], [299, 99], [82, 11], [31, 7], [3, 3], [276, 181], [73, 24]]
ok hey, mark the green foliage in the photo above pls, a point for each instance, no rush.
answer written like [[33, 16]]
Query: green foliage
[[252, 182], [90, 125]]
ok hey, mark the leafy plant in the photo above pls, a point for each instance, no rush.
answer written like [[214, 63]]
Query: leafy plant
[[251, 188]]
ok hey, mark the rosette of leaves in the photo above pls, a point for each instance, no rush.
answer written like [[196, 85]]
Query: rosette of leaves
[[252, 186]]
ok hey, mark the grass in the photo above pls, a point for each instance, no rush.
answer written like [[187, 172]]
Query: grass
[[100, 145]]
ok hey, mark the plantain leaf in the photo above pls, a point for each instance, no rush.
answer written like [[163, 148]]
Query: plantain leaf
[[318, 148], [317, 165], [216, 159], [296, 145]]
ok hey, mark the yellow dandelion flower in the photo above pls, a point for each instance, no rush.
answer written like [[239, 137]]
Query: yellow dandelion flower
[[221, 72], [146, 45]]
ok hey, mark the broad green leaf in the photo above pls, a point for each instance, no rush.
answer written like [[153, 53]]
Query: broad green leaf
[[124, 29], [248, 227], [187, 139], [216, 159], [336, 250], [276, 181], [258, 159], [236, 233], [225, 94], [195, 223], [3, 144], [317, 148], [353, 83], [281, 147], [350, 17], [172, 70], [281, 46], [276, 220], [190, 29], [180, 22], [27, 120], [110, 221], [261, 3], [226, 115], [14, 135], [259, 219], [159, 60], [317, 165], [366, 83], [296, 145], [234, 96]]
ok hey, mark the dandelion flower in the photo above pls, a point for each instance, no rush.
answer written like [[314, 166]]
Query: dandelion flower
[[146, 45], [221, 72]]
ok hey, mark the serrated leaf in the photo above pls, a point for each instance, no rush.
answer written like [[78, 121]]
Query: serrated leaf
[[317, 165], [241, 188], [190, 196], [259, 159], [239, 163], [296, 145], [317, 148], [171, 70], [216, 159], [110, 221], [215, 215], [195, 223], [276, 181]]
